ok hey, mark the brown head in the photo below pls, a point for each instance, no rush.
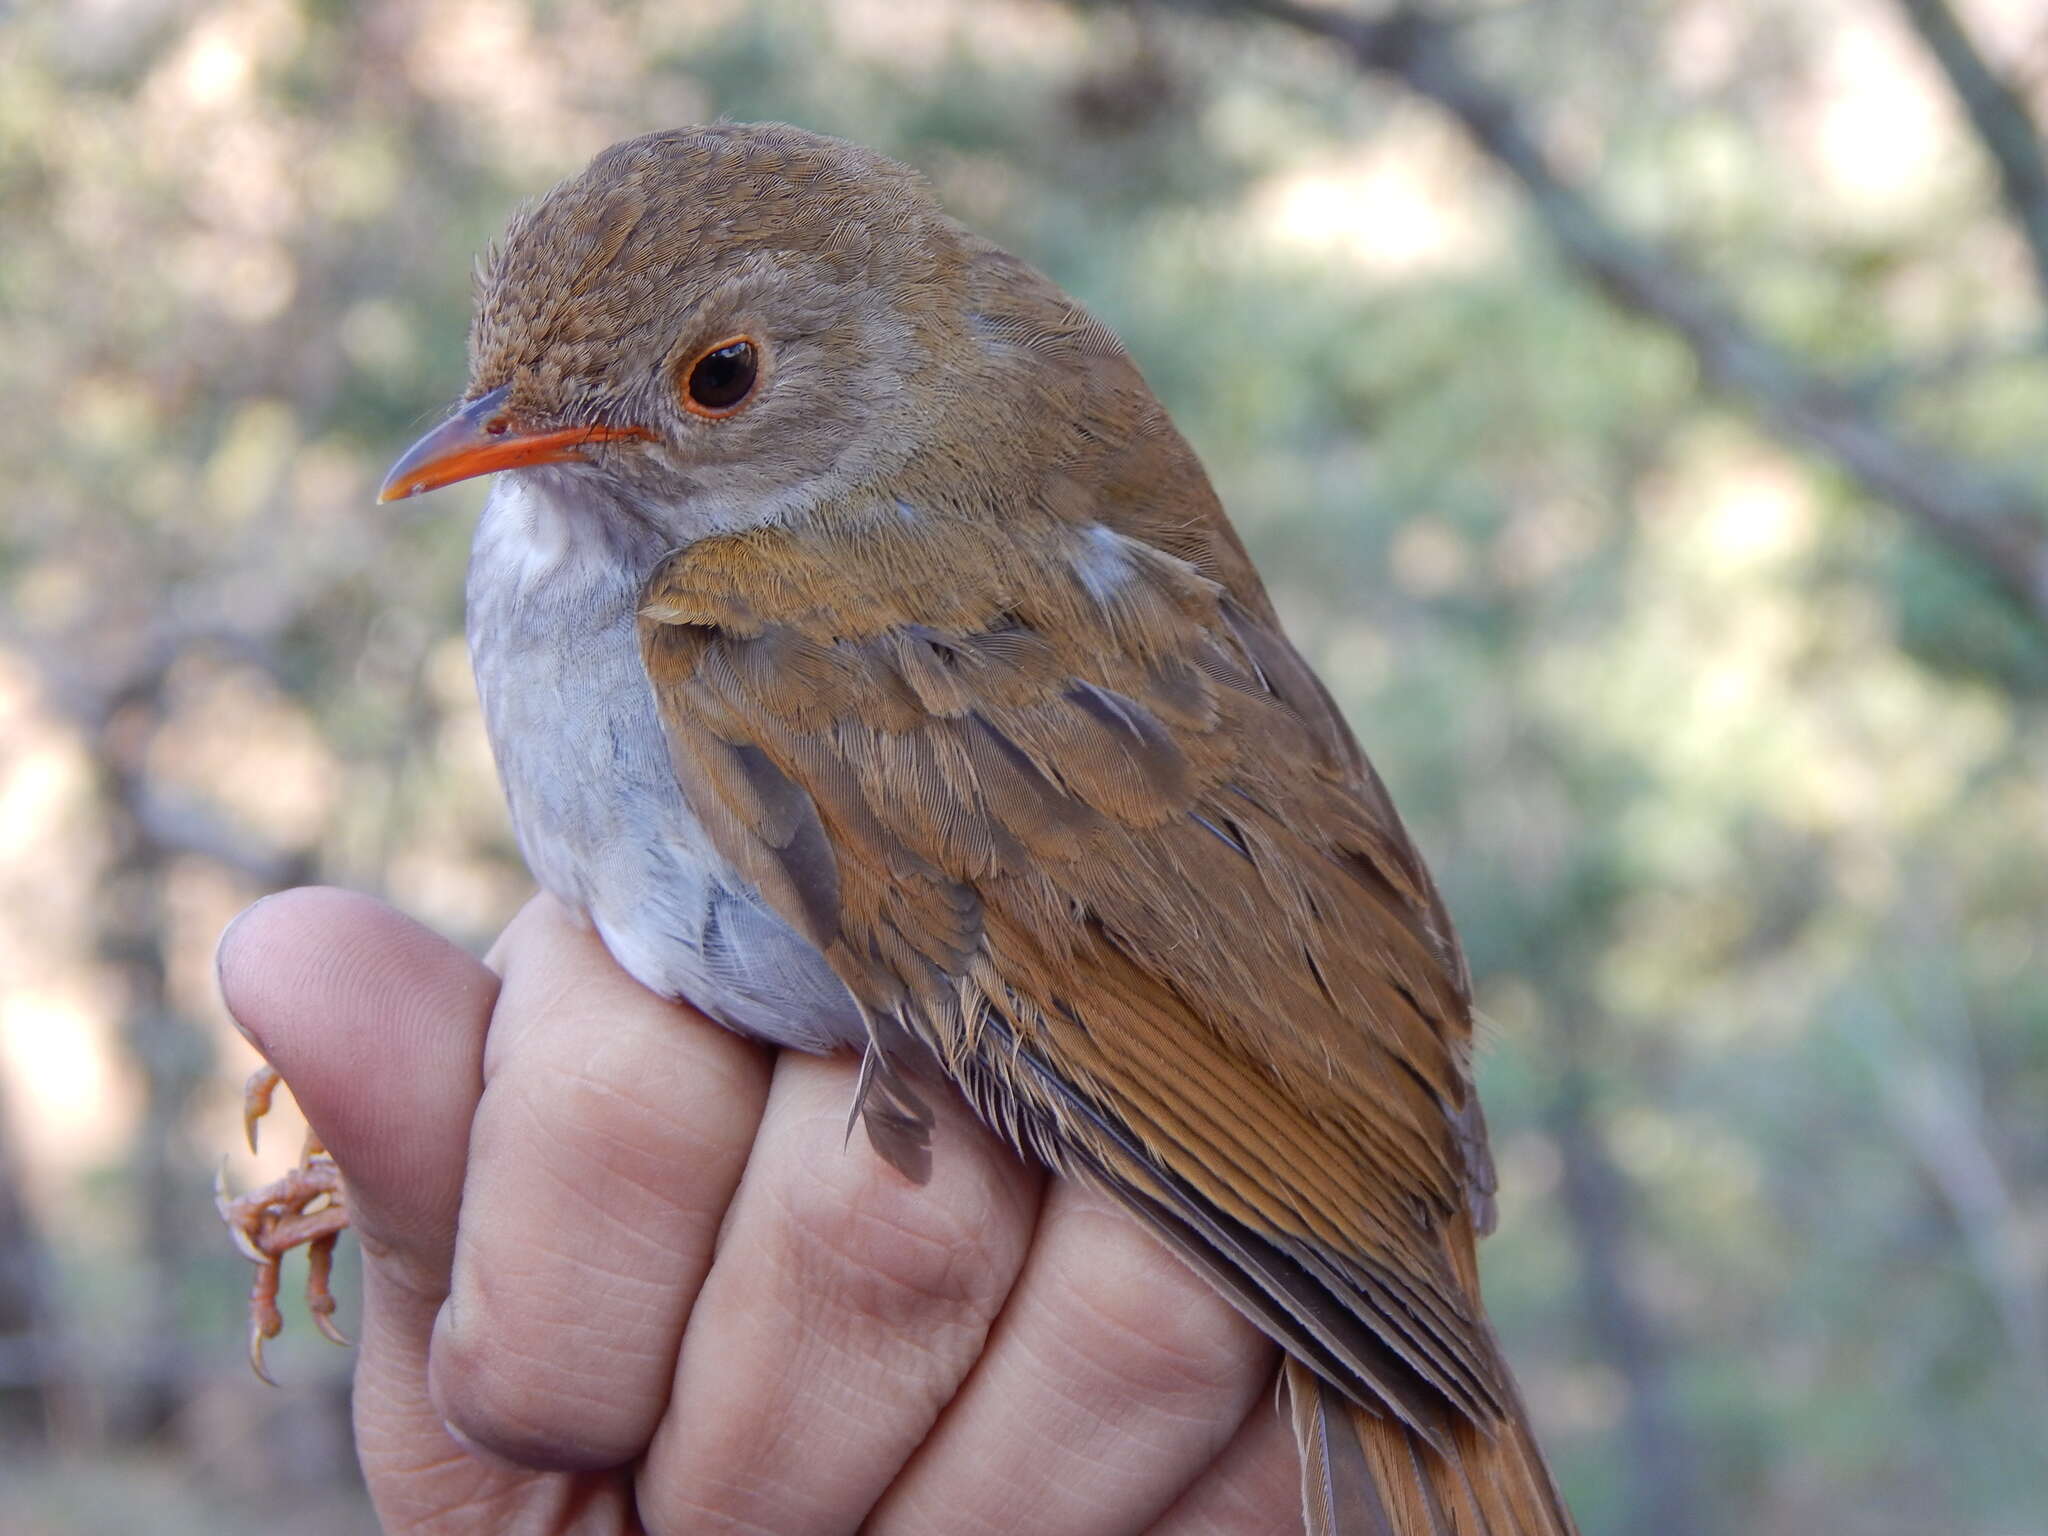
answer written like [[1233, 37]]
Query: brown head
[[733, 315]]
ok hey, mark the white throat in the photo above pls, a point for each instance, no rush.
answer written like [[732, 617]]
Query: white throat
[[549, 529]]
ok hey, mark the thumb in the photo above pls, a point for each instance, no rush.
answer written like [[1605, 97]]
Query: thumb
[[378, 1025]]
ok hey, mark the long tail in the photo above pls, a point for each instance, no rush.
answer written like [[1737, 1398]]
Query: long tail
[[1427, 1436], [1364, 1474]]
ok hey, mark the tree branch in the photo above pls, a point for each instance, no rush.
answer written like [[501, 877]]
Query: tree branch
[[1995, 525], [2008, 131]]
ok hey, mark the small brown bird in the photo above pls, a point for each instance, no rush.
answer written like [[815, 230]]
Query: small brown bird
[[868, 657]]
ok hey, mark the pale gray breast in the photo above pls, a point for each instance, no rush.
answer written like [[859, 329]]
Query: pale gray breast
[[553, 582]]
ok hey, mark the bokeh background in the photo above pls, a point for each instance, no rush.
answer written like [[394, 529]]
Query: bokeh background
[[1639, 407]]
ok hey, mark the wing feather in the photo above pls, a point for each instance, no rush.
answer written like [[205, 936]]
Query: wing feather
[[1130, 845]]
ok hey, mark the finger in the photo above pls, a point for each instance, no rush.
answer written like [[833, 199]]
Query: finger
[[1252, 1489], [611, 1133], [845, 1308], [378, 1025], [1113, 1378]]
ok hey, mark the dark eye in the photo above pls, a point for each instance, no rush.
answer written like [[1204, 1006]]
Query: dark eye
[[721, 378]]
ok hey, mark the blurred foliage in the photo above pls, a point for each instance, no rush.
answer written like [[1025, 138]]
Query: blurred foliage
[[1735, 783]]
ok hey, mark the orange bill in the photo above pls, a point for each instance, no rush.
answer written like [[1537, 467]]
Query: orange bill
[[479, 440]]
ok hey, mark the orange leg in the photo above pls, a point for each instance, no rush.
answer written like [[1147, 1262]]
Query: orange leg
[[306, 1207]]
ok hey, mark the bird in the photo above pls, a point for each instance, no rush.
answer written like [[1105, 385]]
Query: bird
[[869, 660]]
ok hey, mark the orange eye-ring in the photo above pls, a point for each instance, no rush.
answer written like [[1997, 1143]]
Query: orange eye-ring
[[721, 378]]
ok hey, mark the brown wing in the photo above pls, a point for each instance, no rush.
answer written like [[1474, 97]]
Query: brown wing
[[1088, 828]]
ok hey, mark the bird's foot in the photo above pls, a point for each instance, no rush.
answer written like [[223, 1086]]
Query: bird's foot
[[305, 1208]]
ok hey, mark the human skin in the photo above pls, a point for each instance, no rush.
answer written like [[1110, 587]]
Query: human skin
[[625, 1271]]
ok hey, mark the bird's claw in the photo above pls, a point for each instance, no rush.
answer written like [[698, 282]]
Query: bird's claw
[[306, 1208], [256, 1095], [231, 1212], [319, 1299], [257, 1334]]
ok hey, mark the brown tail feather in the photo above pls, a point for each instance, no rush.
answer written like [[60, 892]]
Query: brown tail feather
[[1339, 1495], [1428, 1462], [1363, 1474]]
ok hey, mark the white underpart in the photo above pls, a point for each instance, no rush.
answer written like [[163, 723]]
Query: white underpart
[[534, 538], [554, 582]]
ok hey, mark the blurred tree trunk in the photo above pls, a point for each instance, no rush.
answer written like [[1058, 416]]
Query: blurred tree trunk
[[1600, 1203], [24, 1310], [170, 1052]]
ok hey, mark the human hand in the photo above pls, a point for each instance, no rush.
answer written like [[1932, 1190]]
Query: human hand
[[624, 1271]]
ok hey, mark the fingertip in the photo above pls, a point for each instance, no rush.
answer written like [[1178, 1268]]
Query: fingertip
[[377, 1023], [496, 1407], [226, 969], [542, 915], [238, 964], [291, 943]]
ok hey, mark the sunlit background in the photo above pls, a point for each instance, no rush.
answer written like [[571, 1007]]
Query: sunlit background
[[1729, 749]]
